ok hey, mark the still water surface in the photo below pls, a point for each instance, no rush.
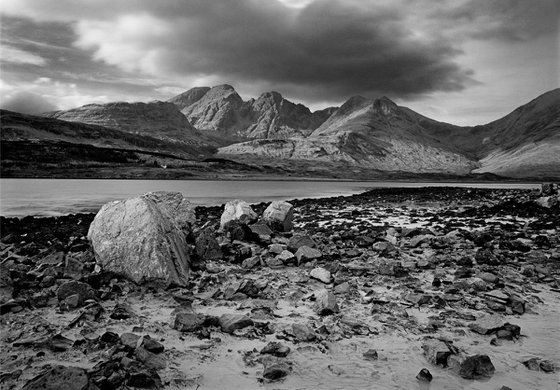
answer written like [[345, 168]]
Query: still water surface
[[20, 197]]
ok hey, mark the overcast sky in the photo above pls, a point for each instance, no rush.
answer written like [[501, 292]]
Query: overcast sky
[[461, 61]]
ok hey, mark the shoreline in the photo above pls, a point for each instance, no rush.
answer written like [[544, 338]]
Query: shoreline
[[415, 185], [407, 267], [265, 178]]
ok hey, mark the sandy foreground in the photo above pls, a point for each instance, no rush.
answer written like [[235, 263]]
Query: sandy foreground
[[400, 280]]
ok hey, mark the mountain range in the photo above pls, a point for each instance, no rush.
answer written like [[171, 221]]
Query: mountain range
[[270, 134]]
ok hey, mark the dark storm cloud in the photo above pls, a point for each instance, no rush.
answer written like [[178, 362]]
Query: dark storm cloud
[[330, 49], [322, 50], [508, 20]]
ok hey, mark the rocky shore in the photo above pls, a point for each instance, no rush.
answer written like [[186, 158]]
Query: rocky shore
[[423, 288]]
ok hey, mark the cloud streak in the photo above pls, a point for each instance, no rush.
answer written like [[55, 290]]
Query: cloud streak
[[18, 56], [330, 48]]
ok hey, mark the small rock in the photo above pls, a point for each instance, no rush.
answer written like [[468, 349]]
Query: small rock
[[129, 340], [299, 240], [424, 375], [371, 354], [188, 322], [251, 262], [477, 366], [231, 322], [536, 364], [276, 349], [279, 216], [437, 352], [150, 360], [276, 249], [497, 296], [237, 210], [82, 291], [321, 274], [274, 262], [276, 371], [305, 254], [73, 268], [262, 231], [547, 201], [286, 257], [303, 332], [121, 312], [152, 345], [488, 277], [110, 338], [206, 245], [325, 302], [342, 288]]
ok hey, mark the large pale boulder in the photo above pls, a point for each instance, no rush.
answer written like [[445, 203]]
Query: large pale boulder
[[279, 216], [144, 238], [237, 211]]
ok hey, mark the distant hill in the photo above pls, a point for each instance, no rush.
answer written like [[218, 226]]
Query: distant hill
[[160, 120], [365, 137], [377, 133]]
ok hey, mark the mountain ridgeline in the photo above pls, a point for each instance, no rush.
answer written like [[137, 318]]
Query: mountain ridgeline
[[363, 135]]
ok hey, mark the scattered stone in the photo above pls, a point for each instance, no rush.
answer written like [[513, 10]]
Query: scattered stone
[[488, 277], [497, 296], [325, 302], [437, 352], [276, 371], [231, 322], [305, 254], [416, 241], [286, 257], [150, 360], [276, 349], [152, 345], [537, 364], [424, 375], [299, 240], [486, 256], [476, 367], [206, 245], [321, 274], [262, 231], [73, 268], [130, 340], [303, 332], [121, 312], [371, 354], [276, 249], [78, 291], [547, 201], [251, 262], [237, 210], [279, 216], [188, 322]]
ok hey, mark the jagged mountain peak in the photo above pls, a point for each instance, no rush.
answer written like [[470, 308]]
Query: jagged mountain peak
[[384, 106], [189, 97], [274, 96]]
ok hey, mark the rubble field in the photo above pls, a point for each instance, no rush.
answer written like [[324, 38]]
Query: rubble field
[[401, 288]]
